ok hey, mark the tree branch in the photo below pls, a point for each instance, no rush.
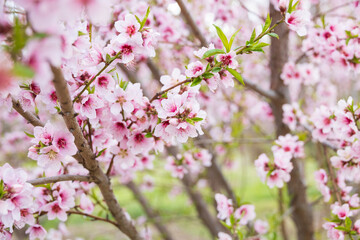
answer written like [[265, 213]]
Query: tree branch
[[93, 217], [90, 163], [268, 93], [30, 117], [190, 21], [60, 178]]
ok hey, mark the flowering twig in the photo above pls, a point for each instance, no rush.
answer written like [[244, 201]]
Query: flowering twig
[[261, 35], [168, 89], [93, 217], [332, 176], [107, 64], [60, 178]]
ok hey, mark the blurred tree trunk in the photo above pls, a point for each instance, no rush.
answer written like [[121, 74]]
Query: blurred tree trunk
[[301, 209]]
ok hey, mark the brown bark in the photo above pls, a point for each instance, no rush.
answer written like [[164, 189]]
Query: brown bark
[[302, 210]]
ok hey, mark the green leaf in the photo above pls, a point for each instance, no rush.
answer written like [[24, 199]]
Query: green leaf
[[190, 121], [142, 24], [197, 119], [267, 23], [108, 58], [112, 70], [101, 152], [273, 35], [207, 75], [348, 223], [212, 52], [223, 38], [341, 228], [138, 19], [196, 81], [19, 36], [1, 188], [148, 135], [253, 35], [225, 225], [23, 71], [216, 69], [233, 38], [290, 6], [236, 75], [81, 33], [29, 135]]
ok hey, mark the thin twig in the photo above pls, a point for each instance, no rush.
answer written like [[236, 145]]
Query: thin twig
[[93, 217], [332, 177], [333, 9], [268, 93], [30, 117], [107, 64], [190, 21], [60, 178], [110, 166], [168, 89], [242, 49]]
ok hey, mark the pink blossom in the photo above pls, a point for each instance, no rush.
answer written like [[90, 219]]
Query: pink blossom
[[342, 211], [224, 206], [129, 27], [245, 213], [89, 104], [224, 236], [228, 59], [195, 69], [86, 204], [36, 232], [169, 81], [321, 176], [121, 100], [138, 143], [261, 226], [50, 158], [298, 21], [64, 141], [55, 211]]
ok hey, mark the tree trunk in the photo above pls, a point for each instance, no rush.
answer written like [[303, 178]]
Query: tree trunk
[[301, 209]]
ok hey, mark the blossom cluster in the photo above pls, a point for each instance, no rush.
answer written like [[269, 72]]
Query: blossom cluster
[[276, 172], [16, 200], [190, 162], [234, 217]]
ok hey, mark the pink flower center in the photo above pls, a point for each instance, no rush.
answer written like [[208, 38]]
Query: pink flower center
[[197, 69], [291, 20], [121, 99], [56, 208], [126, 49], [130, 30], [139, 138], [53, 96], [226, 59], [120, 126], [61, 143], [103, 81]]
